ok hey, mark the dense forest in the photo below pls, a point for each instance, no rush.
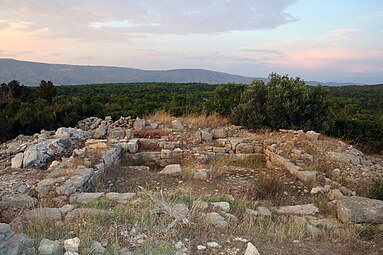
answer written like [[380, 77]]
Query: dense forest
[[354, 113]]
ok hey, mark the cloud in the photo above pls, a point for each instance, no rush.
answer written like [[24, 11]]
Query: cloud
[[335, 53], [373, 15], [118, 18]]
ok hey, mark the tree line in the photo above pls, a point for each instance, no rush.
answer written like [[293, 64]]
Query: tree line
[[352, 112]]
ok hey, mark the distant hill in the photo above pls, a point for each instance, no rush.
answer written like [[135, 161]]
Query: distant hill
[[31, 73]]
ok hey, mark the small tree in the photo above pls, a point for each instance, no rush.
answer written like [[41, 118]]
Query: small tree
[[283, 103], [251, 111], [46, 90], [227, 97]]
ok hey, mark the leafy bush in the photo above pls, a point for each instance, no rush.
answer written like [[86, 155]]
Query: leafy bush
[[283, 103]]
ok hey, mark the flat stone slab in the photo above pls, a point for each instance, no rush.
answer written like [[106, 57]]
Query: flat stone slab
[[84, 198], [43, 214], [360, 210], [17, 201], [121, 198], [308, 209]]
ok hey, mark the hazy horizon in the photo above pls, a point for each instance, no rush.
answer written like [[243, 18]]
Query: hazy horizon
[[323, 41]]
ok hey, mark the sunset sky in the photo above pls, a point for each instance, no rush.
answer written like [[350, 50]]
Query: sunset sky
[[323, 40]]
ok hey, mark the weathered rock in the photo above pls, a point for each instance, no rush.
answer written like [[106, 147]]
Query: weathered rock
[[312, 135], [139, 124], [98, 145], [345, 157], [219, 149], [125, 251], [216, 220], [14, 244], [177, 153], [147, 156], [326, 222], [101, 131], [149, 144], [43, 214], [166, 154], [319, 189], [251, 212], [72, 244], [169, 145], [251, 249], [308, 209], [133, 146], [234, 142], [49, 247], [220, 133], [244, 148], [174, 169], [312, 230], [224, 206], [180, 210], [177, 124], [360, 210], [17, 201], [97, 248], [66, 208], [263, 211], [17, 161], [84, 198], [36, 156], [206, 135], [213, 245], [334, 194], [201, 174], [121, 198], [117, 133], [45, 185]]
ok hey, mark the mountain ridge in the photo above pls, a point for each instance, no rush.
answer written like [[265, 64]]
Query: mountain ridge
[[31, 73]]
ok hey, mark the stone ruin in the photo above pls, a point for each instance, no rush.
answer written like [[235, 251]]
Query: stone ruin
[[62, 165]]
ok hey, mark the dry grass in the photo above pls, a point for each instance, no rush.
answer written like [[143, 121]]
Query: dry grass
[[161, 116], [202, 120], [206, 121]]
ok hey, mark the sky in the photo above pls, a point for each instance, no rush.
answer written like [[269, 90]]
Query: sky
[[323, 40]]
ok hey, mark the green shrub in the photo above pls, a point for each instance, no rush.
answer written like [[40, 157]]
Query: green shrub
[[376, 190], [283, 103]]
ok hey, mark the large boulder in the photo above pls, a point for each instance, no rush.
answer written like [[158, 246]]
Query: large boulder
[[14, 244], [360, 210]]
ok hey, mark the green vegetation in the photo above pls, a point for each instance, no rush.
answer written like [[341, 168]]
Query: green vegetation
[[376, 190], [283, 103], [354, 113]]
